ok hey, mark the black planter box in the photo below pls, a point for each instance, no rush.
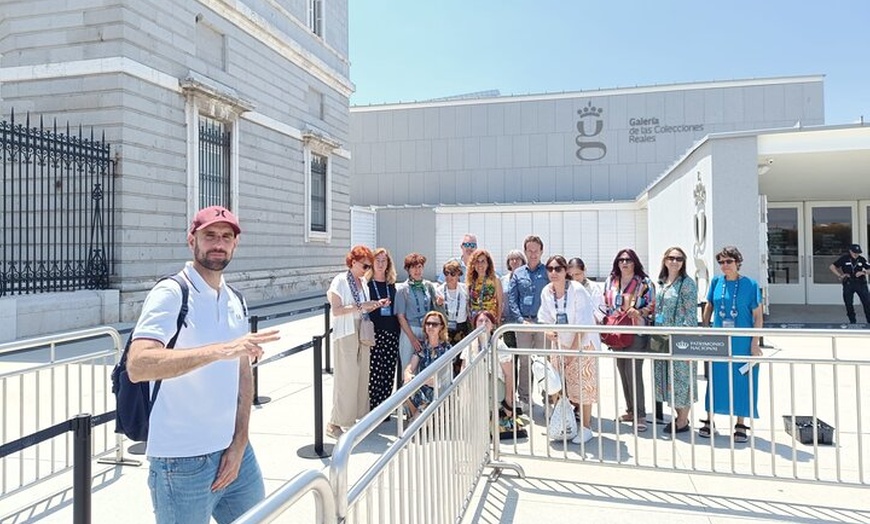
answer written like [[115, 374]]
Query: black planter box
[[802, 428]]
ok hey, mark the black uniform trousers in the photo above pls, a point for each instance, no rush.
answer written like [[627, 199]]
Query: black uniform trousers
[[851, 286]]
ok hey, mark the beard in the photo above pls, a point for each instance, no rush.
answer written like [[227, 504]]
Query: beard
[[210, 263]]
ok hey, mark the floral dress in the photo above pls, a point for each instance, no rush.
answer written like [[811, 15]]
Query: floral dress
[[676, 305], [426, 356], [482, 297]]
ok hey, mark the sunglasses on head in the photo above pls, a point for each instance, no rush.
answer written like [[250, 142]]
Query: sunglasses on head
[[675, 259], [433, 324], [469, 245], [725, 261], [557, 269], [625, 261]]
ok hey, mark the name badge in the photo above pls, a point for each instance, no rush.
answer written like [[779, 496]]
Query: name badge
[[527, 301], [561, 318], [386, 311], [727, 323], [451, 325]]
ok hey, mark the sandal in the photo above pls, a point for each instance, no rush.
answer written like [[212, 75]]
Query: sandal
[[627, 417], [740, 435], [707, 430], [508, 410], [333, 431]]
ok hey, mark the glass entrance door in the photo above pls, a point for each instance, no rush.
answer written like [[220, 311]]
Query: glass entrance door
[[831, 227], [786, 271]]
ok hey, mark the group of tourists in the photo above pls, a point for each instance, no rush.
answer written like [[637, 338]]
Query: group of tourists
[[416, 321], [192, 344]]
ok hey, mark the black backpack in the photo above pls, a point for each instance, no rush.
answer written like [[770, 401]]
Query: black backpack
[[132, 402]]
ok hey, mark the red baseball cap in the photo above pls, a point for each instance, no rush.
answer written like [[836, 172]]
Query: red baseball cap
[[212, 215]]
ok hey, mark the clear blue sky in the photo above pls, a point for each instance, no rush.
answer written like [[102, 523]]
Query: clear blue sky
[[406, 50]]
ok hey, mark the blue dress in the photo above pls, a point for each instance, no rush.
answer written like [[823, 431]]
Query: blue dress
[[721, 295]]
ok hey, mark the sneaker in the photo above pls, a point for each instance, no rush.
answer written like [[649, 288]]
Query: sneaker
[[585, 435]]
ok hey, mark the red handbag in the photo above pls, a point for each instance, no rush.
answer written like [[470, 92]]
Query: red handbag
[[618, 340]]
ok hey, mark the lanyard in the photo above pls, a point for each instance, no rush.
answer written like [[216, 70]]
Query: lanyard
[[455, 315], [733, 299]]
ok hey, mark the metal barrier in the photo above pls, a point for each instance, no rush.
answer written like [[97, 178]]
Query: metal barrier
[[47, 395], [792, 382], [310, 481], [440, 454]]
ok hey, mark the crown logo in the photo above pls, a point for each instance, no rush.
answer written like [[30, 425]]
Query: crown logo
[[683, 344], [700, 192], [590, 111]]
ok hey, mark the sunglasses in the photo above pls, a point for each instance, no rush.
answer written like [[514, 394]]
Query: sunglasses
[[452, 274], [625, 261], [725, 261], [557, 269], [366, 266], [433, 324], [675, 259], [469, 245]]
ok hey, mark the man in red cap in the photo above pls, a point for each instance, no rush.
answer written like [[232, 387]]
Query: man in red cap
[[201, 464]]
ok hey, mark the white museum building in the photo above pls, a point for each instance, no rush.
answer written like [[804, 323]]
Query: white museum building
[[699, 165]]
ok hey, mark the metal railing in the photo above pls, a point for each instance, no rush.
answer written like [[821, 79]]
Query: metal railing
[[35, 397], [440, 454], [309, 481], [57, 208], [798, 389]]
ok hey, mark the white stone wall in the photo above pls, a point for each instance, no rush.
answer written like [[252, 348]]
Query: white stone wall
[[598, 146], [119, 66]]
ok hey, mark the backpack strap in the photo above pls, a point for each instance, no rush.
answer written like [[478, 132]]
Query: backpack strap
[[179, 323], [241, 299]]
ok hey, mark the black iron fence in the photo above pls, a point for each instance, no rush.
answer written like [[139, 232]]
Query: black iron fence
[[57, 209]]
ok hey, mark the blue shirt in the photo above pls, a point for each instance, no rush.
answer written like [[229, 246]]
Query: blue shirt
[[524, 293]]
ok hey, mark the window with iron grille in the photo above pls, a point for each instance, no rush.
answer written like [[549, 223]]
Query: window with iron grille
[[315, 17], [214, 163], [319, 164]]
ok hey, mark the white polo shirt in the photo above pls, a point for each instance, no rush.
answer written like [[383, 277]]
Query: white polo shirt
[[195, 414]]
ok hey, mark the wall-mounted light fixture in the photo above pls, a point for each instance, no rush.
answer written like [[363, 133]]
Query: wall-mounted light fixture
[[765, 166]]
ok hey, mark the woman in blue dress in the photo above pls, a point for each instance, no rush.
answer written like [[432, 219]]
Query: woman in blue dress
[[733, 301]]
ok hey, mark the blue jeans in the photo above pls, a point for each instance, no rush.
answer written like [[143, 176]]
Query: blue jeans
[[181, 489]]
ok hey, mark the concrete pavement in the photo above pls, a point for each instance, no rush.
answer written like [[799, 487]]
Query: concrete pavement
[[554, 490]]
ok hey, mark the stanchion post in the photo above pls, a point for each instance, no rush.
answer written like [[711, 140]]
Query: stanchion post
[[319, 449], [327, 366], [81, 426], [255, 325]]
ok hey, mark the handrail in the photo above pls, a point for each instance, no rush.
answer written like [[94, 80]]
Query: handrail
[[359, 431], [292, 491], [690, 353], [59, 338]]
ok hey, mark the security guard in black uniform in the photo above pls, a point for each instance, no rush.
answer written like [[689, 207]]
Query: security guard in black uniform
[[852, 269]]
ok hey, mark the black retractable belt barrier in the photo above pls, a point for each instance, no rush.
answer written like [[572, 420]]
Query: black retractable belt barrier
[[81, 426], [258, 400], [327, 330], [319, 449]]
